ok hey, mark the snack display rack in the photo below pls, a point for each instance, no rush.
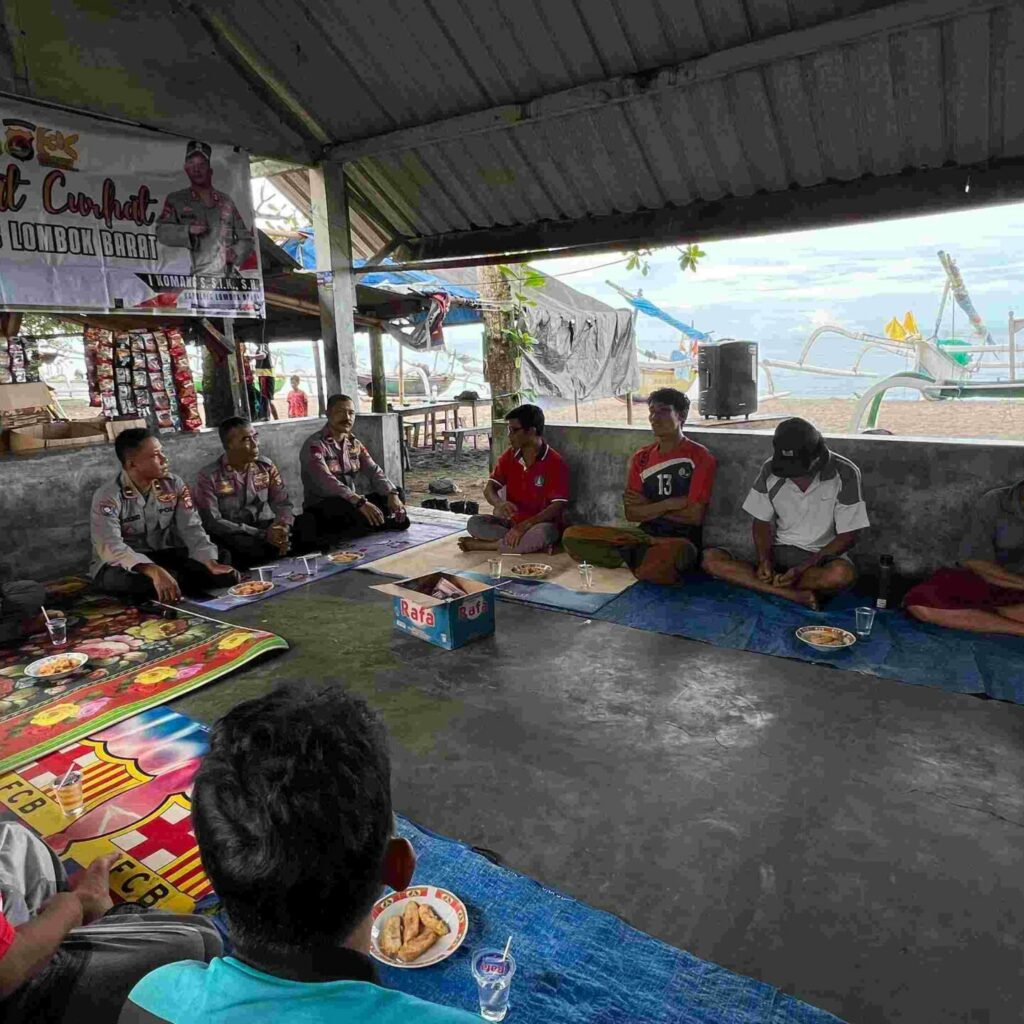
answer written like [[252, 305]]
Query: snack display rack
[[142, 373]]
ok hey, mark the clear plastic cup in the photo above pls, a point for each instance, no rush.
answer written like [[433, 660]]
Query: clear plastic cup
[[312, 563], [493, 977], [57, 627], [70, 795], [865, 619], [266, 573], [494, 568], [586, 575]]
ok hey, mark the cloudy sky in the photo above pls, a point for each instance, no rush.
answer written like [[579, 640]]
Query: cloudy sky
[[775, 289]]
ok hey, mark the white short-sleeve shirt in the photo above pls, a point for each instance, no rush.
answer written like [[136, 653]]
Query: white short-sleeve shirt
[[834, 503]]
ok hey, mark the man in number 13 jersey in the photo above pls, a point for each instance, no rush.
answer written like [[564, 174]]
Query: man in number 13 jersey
[[668, 489]]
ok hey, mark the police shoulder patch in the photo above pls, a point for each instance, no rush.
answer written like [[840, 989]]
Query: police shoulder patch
[[108, 508], [185, 497]]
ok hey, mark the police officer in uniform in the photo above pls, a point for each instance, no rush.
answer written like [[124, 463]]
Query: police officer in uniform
[[334, 465], [205, 220], [242, 499], [147, 537]]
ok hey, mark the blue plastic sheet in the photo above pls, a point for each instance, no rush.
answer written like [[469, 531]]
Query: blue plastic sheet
[[575, 964], [545, 595], [899, 647]]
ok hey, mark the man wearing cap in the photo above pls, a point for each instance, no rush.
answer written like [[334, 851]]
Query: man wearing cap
[[984, 592], [147, 538], [205, 220], [242, 499], [808, 511]]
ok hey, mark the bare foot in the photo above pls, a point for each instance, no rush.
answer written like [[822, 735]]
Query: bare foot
[[807, 598]]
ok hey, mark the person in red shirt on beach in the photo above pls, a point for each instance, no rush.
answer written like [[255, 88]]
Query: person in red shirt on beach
[[529, 490], [668, 490], [298, 402]]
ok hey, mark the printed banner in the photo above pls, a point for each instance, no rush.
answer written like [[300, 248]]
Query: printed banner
[[100, 217]]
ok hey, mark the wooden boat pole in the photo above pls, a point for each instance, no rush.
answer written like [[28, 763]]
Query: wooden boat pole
[[379, 384], [401, 375]]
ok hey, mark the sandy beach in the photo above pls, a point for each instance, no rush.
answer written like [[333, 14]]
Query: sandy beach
[[947, 419]]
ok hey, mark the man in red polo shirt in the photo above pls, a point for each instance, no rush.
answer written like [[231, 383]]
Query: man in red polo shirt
[[668, 489], [529, 490]]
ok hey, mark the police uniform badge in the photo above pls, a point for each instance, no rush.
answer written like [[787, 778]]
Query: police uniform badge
[[164, 490], [108, 509]]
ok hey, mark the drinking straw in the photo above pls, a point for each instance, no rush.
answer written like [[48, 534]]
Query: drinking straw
[[45, 616], [71, 768], [504, 956]]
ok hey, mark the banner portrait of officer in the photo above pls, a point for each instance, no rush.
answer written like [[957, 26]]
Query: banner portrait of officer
[[205, 220]]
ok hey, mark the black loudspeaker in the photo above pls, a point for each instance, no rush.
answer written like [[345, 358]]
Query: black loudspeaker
[[728, 379]]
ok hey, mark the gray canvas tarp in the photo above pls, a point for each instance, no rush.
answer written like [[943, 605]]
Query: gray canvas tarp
[[585, 349]]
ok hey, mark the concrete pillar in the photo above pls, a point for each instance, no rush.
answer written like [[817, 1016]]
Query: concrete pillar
[[336, 285]]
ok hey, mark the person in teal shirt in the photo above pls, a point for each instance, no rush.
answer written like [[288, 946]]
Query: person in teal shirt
[[292, 812]]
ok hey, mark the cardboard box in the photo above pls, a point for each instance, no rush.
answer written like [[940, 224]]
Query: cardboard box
[[115, 427], [444, 623], [23, 396], [55, 437]]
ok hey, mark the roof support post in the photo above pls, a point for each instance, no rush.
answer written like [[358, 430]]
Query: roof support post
[[335, 283]]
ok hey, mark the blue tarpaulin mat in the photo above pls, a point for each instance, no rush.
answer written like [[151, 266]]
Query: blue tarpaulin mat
[[899, 647], [575, 964], [545, 595]]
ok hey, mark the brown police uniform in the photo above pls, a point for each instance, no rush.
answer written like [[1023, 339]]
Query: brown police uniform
[[238, 507], [225, 230], [329, 478]]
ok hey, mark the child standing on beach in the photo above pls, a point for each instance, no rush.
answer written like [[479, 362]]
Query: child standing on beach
[[298, 402]]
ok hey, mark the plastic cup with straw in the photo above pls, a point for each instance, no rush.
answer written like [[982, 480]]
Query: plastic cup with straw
[[69, 792], [493, 972], [57, 627]]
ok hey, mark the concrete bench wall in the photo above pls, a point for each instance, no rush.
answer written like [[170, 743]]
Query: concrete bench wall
[[919, 492], [45, 499]]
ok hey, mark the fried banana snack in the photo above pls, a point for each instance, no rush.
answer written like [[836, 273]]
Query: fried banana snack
[[430, 920], [391, 935], [411, 920], [414, 948]]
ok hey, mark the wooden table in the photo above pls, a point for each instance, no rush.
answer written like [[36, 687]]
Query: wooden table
[[429, 413]]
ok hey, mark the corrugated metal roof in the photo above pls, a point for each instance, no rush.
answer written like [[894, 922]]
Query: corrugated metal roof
[[461, 120]]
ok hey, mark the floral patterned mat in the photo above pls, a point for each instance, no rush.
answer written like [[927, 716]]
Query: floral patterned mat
[[136, 661]]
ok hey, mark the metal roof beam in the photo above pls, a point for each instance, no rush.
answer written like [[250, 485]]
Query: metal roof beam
[[865, 199], [786, 46], [266, 84]]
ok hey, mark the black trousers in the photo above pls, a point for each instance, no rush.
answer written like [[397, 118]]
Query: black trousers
[[335, 518], [244, 551], [193, 577]]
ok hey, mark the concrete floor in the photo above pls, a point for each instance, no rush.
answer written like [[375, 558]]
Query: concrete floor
[[853, 841]]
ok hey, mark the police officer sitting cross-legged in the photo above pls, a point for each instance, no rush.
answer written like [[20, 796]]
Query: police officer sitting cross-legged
[[242, 499], [147, 537], [331, 459]]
